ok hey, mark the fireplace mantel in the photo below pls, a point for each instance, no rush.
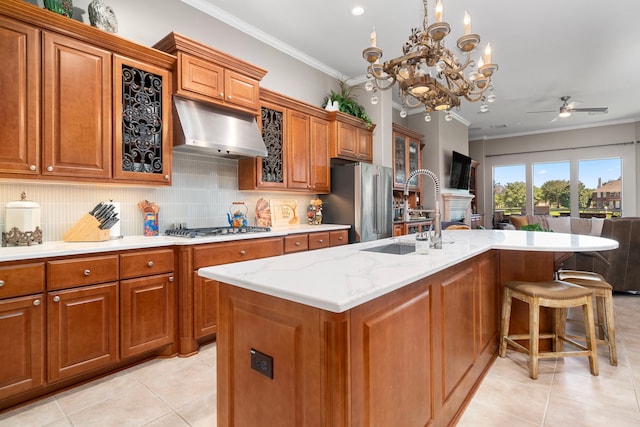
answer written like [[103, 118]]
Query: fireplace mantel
[[457, 206]]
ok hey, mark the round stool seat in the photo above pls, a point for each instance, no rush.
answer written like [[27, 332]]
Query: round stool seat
[[551, 289]]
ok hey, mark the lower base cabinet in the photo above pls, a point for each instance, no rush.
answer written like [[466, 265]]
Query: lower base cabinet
[[147, 314], [22, 340], [408, 358], [205, 307], [82, 330]]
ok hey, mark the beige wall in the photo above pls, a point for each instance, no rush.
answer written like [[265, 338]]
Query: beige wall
[[572, 145]]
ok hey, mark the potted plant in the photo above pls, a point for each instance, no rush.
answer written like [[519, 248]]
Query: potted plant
[[347, 103]]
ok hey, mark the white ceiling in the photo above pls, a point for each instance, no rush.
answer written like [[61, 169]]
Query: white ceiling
[[587, 49]]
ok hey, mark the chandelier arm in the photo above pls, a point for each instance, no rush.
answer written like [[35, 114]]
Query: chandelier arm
[[379, 85]]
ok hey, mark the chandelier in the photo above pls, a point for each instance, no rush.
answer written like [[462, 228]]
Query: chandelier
[[428, 73]]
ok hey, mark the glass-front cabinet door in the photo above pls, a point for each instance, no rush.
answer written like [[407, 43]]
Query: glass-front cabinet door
[[399, 161], [407, 154], [413, 153]]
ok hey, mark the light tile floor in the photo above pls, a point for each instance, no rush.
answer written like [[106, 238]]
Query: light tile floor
[[181, 391]]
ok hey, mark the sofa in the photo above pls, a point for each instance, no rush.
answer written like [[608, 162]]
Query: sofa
[[620, 267]]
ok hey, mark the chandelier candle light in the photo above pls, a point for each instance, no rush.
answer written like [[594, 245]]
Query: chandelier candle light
[[428, 73]]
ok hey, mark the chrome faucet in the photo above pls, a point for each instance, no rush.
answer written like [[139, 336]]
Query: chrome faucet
[[436, 239]]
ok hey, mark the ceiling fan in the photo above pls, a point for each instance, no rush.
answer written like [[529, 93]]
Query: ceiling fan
[[569, 107]]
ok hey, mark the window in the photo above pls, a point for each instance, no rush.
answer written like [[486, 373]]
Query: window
[[509, 189], [600, 187], [552, 187]]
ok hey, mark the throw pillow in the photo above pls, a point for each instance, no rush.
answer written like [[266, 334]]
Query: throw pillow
[[560, 224], [596, 226], [518, 221], [581, 225]]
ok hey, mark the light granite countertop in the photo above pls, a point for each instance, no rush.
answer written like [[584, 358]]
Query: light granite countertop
[[339, 278], [61, 248]]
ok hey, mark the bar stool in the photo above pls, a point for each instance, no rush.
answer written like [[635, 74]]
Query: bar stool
[[557, 295], [603, 292]]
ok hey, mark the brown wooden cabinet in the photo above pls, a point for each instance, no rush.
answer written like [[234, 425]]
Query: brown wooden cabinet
[[349, 138], [82, 315], [206, 74], [59, 84], [82, 330], [317, 240], [142, 121], [344, 367], [22, 328], [20, 88], [296, 137], [147, 301], [407, 156], [76, 116], [201, 303]]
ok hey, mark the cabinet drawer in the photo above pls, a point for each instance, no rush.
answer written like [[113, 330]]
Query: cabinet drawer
[[18, 280], [243, 250], [319, 240], [296, 243], [340, 237], [82, 271], [146, 263]]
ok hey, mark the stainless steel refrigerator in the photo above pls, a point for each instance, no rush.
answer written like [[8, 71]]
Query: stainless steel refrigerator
[[361, 196]]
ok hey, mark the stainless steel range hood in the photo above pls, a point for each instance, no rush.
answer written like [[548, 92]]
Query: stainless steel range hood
[[207, 130]]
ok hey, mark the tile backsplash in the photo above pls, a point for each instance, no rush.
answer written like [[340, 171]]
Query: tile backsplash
[[203, 189]]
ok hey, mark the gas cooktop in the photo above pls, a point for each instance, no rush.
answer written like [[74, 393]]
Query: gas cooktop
[[212, 231]]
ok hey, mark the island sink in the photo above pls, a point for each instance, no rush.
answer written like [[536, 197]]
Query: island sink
[[394, 248]]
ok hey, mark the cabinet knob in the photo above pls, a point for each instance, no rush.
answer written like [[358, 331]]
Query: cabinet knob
[[86, 272], [229, 97], [1, 283], [320, 240], [297, 243], [32, 167], [340, 238], [36, 302], [166, 177], [243, 252], [49, 168], [222, 94], [56, 299], [171, 278], [150, 264]]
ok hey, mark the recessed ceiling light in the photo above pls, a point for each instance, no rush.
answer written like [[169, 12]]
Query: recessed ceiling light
[[357, 11]]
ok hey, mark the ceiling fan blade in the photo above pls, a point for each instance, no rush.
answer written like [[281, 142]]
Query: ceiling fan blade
[[555, 119], [591, 110]]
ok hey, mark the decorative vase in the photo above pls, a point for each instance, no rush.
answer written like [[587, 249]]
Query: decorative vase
[[63, 7], [102, 16]]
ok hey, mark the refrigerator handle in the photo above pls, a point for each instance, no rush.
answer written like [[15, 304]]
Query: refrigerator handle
[[376, 219]]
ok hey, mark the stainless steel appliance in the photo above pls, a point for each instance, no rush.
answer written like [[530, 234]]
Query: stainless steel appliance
[[361, 196], [183, 231]]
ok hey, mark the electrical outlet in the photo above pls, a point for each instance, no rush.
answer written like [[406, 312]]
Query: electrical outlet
[[262, 363]]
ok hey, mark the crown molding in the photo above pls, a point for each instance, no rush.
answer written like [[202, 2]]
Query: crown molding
[[219, 14]]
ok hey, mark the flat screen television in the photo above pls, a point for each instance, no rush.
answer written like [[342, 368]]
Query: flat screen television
[[460, 170]]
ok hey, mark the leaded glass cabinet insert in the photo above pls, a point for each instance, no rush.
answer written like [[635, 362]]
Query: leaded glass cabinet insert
[[141, 121]]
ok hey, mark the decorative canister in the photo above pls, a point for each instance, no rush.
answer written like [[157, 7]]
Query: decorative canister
[[22, 222]]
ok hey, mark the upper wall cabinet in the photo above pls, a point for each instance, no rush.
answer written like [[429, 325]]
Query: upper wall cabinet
[[350, 138], [407, 156], [206, 74], [296, 136], [66, 112]]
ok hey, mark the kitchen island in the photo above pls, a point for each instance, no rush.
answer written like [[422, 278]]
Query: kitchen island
[[347, 336]]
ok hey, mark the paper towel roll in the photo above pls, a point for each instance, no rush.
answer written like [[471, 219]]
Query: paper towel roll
[[114, 231]]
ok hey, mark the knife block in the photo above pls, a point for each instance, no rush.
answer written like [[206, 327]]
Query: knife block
[[87, 229]]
